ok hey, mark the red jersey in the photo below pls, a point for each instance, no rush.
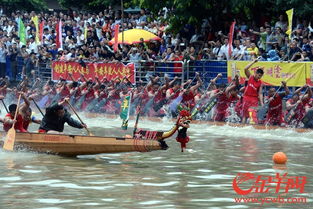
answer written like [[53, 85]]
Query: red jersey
[[275, 106], [222, 102], [160, 95], [189, 99], [18, 125], [300, 109], [65, 92], [176, 93], [252, 89]]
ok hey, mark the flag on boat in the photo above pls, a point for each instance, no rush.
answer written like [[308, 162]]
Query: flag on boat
[[125, 108]]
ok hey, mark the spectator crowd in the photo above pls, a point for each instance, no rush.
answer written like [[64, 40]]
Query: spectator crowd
[[87, 35]]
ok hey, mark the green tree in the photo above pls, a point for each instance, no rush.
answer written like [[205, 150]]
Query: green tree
[[193, 11], [28, 5], [94, 5]]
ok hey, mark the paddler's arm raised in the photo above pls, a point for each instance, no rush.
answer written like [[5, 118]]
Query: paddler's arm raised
[[287, 91], [308, 95], [199, 83], [247, 72], [23, 108]]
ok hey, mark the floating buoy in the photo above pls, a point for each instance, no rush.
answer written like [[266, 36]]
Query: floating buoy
[[280, 158]]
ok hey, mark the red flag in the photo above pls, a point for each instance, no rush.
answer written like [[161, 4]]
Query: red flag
[[230, 38], [58, 40], [42, 24], [116, 31]]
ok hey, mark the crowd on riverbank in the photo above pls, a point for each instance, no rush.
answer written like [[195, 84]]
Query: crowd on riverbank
[[86, 36]]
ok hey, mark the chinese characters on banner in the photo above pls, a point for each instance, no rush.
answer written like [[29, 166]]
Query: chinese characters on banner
[[93, 70], [295, 74]]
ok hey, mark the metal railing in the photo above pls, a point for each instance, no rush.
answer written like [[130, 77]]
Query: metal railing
[[144, 69]]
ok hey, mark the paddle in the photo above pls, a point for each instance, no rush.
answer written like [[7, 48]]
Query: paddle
[[10, 137], [38, 107], [5, 107], [89, 133]]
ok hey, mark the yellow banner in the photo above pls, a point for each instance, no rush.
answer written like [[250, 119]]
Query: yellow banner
[[289, 14], [294, 74]]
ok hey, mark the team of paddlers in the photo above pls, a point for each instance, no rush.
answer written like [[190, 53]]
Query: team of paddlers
[[159, 98]]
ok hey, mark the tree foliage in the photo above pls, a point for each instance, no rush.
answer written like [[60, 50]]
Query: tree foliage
[[193, 11], [89, 5], [28, 5]]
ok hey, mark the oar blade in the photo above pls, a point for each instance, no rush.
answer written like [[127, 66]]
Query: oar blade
[[9, 140]]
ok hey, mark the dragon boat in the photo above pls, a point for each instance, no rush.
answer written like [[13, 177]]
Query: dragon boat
[[74, 145]]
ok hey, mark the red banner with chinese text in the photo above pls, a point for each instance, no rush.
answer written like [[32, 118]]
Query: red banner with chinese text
[[93, 70], [274, 72]]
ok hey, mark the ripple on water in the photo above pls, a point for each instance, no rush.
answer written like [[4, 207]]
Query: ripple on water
[[216, 176], [171, 183], [53, 201], [12, 178], [30, 171], [45, 182]]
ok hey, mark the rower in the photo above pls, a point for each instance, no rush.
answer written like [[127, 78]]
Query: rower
[[253, 91], [296, 105], [55, 118], [26, 112], [9, 120], [275, 106]]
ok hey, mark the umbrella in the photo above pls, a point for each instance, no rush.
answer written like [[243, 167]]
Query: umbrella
[[133, 36]]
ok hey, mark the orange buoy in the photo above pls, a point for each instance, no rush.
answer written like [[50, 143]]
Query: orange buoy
[[280, 158]]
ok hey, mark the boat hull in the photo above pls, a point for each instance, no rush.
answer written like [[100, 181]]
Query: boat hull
[[73, 145]]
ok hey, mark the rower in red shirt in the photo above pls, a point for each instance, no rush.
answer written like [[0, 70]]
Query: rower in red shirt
[[188, 97], [253, 91], [173, 92], [225, 96], [9, 120], [297, 105], [275, 108], [26, 112]]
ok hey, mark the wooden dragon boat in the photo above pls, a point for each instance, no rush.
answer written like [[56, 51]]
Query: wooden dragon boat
[[73, 145]]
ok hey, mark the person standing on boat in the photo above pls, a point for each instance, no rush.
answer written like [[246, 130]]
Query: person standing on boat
[[253, 91], [275, 107], [55, 118]]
